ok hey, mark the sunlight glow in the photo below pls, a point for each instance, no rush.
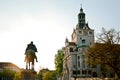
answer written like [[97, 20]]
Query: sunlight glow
[[47, 23]]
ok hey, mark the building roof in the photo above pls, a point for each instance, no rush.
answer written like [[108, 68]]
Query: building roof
[[10, 66]]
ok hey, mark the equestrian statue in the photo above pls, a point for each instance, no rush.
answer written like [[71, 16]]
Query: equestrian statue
[[30, 56]]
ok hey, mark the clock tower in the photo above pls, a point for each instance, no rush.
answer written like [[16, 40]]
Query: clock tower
[[83, 34], [74, 63]]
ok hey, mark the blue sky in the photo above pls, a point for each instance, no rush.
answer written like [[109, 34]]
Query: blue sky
[[47, 23]]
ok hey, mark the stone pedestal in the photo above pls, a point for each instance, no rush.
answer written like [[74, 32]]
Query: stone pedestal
[[28, 74]]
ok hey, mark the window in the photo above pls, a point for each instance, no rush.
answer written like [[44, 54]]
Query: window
[[81, 16], [71, 49], [89, 72], [90, 43], [83, 72], [78, 72], [80, 32], [80, 50], [83, 64], [83, 41], [90, 33], [112, 75], [74, 66], [94, 74], [74, 72], [80, 38], [78, 57], [78, 64]]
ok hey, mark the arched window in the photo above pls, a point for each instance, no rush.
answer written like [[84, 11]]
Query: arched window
[[94, 74], [83, 41]]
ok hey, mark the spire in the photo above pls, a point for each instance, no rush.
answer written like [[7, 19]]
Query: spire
[[81, 5], [81, 18], [81, 10], [66, 41]]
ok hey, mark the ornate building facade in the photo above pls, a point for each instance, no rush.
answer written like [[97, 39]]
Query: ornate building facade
[[74, 63]]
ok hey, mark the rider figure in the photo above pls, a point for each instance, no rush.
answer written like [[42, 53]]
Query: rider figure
[[33, 48]]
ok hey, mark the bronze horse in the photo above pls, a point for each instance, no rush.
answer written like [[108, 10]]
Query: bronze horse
[[30, 56]]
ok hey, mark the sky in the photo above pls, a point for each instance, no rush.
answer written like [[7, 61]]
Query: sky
[[47, 23]]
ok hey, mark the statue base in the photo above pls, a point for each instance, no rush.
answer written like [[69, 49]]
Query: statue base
[[28, 74]]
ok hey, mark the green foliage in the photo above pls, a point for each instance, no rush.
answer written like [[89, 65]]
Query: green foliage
[[41, 73], [49, 76], [17, 76], [59, 61], [7, 74], [106, 52]]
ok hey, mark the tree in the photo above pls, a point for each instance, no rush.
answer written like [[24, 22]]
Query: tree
[[111, 36], [41, 73], [49, 75], [17, 76], [7, 74], [59, 62], [106, 51]]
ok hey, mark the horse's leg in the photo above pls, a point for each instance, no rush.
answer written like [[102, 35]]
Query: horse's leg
[[29, 65], [36, 59], [26, 65], [33, 65]]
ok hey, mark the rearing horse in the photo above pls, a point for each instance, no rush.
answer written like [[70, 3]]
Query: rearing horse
[[30, 56]]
